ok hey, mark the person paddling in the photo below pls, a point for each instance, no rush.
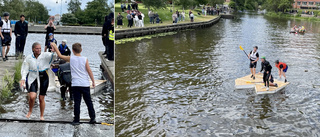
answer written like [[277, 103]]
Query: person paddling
[[254, 57], [282, 69], [265, 65]]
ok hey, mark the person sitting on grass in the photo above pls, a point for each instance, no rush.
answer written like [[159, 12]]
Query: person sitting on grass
[[80, 84]]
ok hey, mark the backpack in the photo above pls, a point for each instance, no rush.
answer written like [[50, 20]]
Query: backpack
[[64, 73]]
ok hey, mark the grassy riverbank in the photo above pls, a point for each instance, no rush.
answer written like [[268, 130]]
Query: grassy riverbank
[[9, 80], [164, 14], [291, 16]]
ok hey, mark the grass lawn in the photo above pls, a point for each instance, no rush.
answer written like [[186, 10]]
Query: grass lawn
[[164, 14]]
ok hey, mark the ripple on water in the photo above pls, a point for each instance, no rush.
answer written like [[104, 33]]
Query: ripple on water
[[184, 84]]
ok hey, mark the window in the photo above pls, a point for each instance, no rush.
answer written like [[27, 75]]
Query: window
[[304, 3], [299, 3], [318, 3], [311, 3]]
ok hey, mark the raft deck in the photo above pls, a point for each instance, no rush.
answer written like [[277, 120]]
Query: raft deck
[[247, 82]]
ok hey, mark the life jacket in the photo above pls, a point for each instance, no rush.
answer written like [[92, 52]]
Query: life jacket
[[62, 49], [111, 35], [5, 27], [283, 64], [253, 55]]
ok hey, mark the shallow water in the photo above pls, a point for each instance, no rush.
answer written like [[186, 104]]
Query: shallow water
[[184, 84], [16, 107]]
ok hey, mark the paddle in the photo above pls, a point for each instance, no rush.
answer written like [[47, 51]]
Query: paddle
[[243, 50]]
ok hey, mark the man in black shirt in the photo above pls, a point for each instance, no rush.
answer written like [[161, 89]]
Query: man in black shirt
[[265, 65], [21, 32]]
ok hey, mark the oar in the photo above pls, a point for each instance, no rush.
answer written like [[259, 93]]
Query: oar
[[243, 51]]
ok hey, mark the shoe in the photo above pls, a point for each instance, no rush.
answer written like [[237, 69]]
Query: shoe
[[285, 80], [104, 54], [92, 121], [251, 76], [254, 77], [267, 89], [276, 85], [264, 87], [4, 59], [75, 122]]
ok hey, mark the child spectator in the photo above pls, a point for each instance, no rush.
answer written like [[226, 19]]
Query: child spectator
[[50, 40]]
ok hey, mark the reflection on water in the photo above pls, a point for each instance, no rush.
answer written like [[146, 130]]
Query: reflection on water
[[184, 84]]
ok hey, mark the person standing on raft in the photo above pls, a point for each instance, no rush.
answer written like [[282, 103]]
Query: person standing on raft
[[282, 69], [254, 57], [265, 65], [35, 74]]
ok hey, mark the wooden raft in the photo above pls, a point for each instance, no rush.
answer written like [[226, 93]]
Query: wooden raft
[[247, 82]]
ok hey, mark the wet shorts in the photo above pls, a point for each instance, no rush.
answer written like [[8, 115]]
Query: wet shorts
[[7, 39], [253, 65], [285, 70], [44, 83]]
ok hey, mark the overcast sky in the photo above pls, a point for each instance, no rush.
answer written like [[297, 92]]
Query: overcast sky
[[56, 7]]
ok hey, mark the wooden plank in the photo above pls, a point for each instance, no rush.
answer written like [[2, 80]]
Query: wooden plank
[[247, 82]]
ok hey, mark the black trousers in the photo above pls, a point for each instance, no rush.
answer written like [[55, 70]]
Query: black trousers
[[104, 40], [20, 43], [266, 78], [110, 51], [63, 90], [78, 93], [130, 24]]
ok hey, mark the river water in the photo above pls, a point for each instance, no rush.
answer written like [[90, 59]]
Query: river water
[[16, 107], [183, 85]]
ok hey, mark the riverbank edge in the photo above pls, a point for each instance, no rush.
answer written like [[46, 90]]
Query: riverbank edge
[[9, 79], [137, 32], [77, 30], [290, 16]]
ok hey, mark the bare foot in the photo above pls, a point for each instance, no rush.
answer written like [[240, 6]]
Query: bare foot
[[28, 115], [41, 118]]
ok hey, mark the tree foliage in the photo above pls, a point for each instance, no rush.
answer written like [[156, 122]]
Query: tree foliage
[[33, 10], [74, 6], [94, 12], [278, 5], [69, 18]]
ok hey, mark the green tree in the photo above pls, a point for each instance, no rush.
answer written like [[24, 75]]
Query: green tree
[[14, 7], [278, 5], [68, 18], [95, 12], [74, 6], [36, 11]]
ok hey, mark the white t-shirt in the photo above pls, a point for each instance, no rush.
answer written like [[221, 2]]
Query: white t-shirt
[[79, 73]]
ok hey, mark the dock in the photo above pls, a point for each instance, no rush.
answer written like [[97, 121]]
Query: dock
[[108, 68], [247, 82]]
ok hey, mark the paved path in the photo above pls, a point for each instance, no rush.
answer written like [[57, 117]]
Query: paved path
[[16, 129]]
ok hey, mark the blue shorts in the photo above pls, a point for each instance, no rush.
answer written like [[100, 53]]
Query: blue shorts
[[285, 70]]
